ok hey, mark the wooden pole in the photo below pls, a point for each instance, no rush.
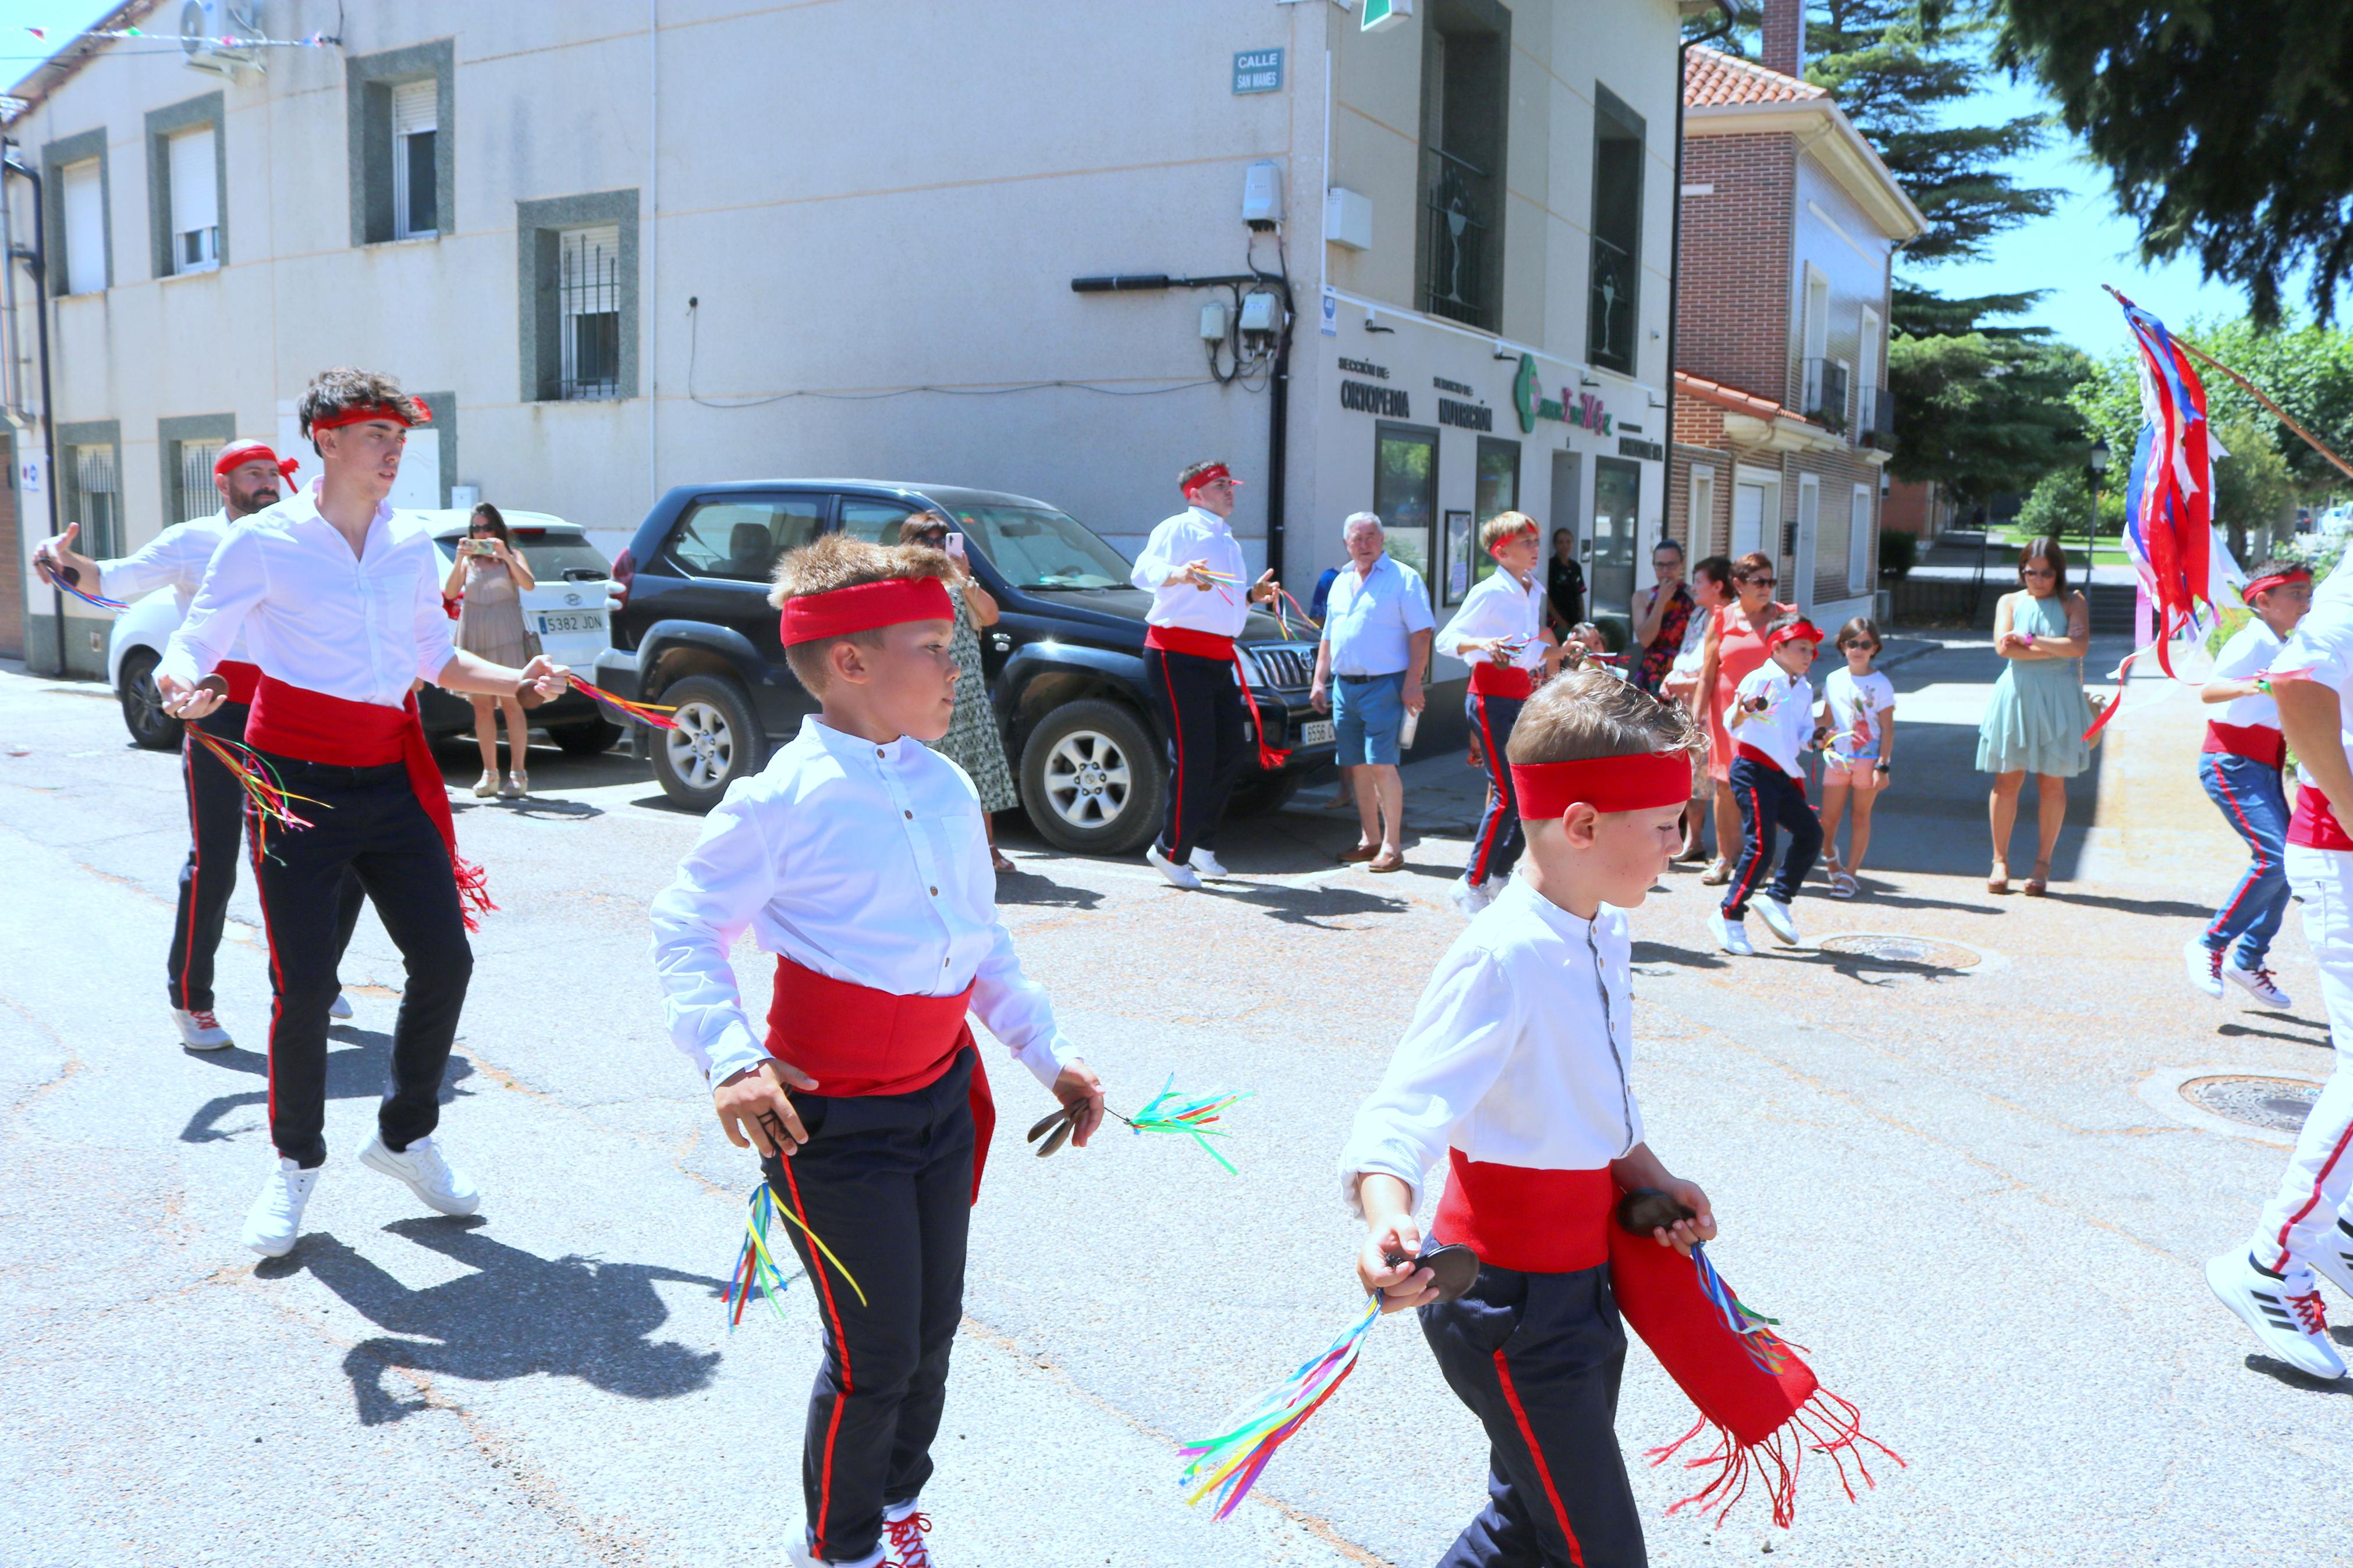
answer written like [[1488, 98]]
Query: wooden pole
[[2251, 390]]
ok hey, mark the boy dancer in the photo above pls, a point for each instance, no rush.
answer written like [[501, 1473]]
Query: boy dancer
[[340, 602], [1515, 1070], [249, 476], [1772, 723], [1500, 633], [1193, 566], [2240, 765], [856, 858]]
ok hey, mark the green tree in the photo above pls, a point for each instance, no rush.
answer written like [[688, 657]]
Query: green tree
[[1987, 411], [2252, 486]]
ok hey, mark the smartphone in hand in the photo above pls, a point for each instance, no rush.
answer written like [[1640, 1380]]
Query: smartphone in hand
[[955, 546]]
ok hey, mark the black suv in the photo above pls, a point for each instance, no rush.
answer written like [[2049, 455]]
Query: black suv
[[1065, 664]]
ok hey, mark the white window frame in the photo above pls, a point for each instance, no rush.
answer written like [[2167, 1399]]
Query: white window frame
[[1809, 542], [583, 254], [1859, 541], [196, 488], [408, 96], [85, 221], [1813, 336], [1699, 521], [1868, 357], [201, 190]]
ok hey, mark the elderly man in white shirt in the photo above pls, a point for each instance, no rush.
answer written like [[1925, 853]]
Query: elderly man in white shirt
[[1368, 670]]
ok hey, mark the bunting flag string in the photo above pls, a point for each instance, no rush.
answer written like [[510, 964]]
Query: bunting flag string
[[223, 41]]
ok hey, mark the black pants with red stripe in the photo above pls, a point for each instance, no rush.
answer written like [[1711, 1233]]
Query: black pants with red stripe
[[1768, 798], [215, 836], [366, 823], [885, 1180], [1537, 1358], [1497, 847], [1200, 709]]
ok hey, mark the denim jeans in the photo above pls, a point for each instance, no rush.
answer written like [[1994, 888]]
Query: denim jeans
[[2254, 804]]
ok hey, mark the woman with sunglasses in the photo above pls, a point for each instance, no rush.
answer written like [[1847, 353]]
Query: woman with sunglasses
[[973, 742], [1735, 647], [488, 579], [2035, 720]]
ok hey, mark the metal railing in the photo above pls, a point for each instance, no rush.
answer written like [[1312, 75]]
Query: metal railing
[[1460, 218], [1609, 308], [1874, 420], [588, 304], [1824, 399]]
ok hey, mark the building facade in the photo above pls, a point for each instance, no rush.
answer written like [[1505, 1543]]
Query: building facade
[[620, 246]]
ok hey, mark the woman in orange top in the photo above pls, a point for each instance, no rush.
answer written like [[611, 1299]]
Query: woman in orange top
[[1735, 646]]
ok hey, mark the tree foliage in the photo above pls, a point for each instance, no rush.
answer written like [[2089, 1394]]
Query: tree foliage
[[1984, 412]]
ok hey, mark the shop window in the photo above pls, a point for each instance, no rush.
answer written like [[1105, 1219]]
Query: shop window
[[1497, 490], [1405, 492], [1617, 505]]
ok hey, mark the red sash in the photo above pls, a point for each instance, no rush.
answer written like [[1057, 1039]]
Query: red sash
[[1745, 752], [1488, 678], [1515, 1216], [856, 1040], [2261, 743], [243, 679], [1209, 645], [309, 726], [2313, 825]]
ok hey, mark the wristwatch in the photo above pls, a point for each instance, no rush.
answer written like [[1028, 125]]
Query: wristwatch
[[1883, 767]]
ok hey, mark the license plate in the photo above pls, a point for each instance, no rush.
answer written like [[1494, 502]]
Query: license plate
[[552, 623], [1316, 732]]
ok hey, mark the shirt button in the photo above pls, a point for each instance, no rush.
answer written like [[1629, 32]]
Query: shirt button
[[880, 752], [936, 892], [911, 816]]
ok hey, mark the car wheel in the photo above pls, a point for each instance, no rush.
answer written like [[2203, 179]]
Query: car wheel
[[1262, 795], [593, 739], [718, 740], [142, 705], [1093, 779]]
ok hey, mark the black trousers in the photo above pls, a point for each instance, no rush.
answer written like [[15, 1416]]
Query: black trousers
[[368, 822], [1497, 849], [215, 836], [1537, 1358], [1767, 798], [886, 1181], [1210, 743]]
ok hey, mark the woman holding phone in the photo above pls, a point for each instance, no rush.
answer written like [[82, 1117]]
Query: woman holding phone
[[488, 580], [973, 742]]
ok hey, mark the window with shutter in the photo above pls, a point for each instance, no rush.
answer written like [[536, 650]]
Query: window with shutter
[[194, 171], [97, 500], [1858, 543], [588, 303], [85, 212], [416, 206], [197, 496]]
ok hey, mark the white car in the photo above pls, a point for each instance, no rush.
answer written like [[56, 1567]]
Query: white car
[[570, 608]]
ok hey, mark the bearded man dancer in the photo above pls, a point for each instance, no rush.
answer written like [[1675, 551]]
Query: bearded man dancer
[[341, 602], [247, 475]]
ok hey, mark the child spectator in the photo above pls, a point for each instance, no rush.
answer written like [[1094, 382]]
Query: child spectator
[[1772, 722], [1859, 709]]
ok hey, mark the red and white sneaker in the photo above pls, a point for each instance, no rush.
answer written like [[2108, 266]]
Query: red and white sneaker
[[2203, 965], [2257, 983], [904, 1525], [199, 1030], [2287, 1321]]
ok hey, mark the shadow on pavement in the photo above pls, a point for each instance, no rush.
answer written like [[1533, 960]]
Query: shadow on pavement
[[512, 1315], [532, 805], [359, 1072], [2319, 1042], [2132, 905], [1039, 891], [1310, 906], [2280, 1372], [1687, 957]]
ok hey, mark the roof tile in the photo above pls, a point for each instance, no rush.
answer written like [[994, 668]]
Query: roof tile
[[1712, 77]]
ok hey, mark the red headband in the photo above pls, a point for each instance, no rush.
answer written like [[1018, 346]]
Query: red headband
[[865, 607], [1208, 476], [1798, 630], [406, 411], [1527, 532], [239, 454], [1637, 781], [2276, 580]]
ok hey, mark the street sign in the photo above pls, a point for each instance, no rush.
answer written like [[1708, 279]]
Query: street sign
[[1258, 70], [1380, 14]]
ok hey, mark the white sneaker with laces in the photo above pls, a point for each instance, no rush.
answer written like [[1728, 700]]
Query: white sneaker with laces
[[803, 1558], [1732, 935], [276, 1217], [1778, 921], [1206, 864], [342, 1007], [1176, 876], [199, 1030], [2334, 1261], [428, 1175], [2289, 1323], [2203, 965], [904, 1525], [2259, 984], [1471, 897]]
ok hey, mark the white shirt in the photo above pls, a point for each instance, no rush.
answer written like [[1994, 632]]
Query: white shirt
[[1694, 649], [1369, 619], [174, 559], [1787, 723], [1500, 606], [1518, 1052], [865, 863], [1194, 534], [2321, 648], [2250, 652], [361, 628], [1855, 704]]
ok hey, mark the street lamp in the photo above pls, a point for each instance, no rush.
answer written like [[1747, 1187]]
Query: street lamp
[[2095, 464]]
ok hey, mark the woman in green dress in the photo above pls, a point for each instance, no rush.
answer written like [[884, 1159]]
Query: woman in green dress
[[973, 742], [2036, 719]]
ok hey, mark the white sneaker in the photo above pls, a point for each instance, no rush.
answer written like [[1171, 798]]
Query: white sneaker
[[342, 1008], [803, 1558], [428, 1175], [903, 1527], [200, 1031], [2203, 965], [2291, 1327], [2334, 1261], [1732, 935], [1778, 921], [2259, 984], [1176, 876], [1471, 897], [1206, 864], [276, 1217]]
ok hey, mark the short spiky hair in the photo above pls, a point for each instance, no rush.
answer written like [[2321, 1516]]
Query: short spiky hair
[[331, 392], [1593, 713], [837, 561]]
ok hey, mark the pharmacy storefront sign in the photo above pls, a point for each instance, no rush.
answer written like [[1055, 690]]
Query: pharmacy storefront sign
[[1581, 409]]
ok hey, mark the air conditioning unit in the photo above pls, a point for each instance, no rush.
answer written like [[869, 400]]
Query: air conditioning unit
[[204, 23]]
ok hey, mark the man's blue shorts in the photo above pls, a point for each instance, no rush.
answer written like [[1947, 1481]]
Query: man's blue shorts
[[1365, 713]]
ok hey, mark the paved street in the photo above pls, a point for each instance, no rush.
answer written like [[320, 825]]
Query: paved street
[[1953, 1166]]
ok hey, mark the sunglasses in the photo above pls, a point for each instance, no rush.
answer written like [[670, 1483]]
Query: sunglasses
[[2036, 572], [1759, 582]]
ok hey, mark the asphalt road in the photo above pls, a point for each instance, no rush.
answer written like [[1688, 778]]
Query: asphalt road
[[1939, 1160]]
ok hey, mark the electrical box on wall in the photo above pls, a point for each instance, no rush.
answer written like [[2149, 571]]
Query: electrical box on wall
[[1213, 322], [1347, 219], [1261, 313], [1262, 194]]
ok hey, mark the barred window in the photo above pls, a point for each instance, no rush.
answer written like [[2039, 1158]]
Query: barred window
[[589, 303], [96, 500], [197, 496]]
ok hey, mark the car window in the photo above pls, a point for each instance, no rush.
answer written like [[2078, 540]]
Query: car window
[[563, 560], [740, 539], [875, 521], [1037, 547]]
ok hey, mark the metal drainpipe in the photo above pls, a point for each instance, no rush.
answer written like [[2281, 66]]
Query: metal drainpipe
[[37, 262]]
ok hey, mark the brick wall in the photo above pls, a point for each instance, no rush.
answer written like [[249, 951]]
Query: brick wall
[[1916, 508], [1733, 293]]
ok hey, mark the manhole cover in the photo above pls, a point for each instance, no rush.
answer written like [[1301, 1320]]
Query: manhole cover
[[1890, 949], [2280, 1104]]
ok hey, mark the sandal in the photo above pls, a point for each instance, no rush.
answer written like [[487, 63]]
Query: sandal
[[1386, 861], [2039, 883], [1717, 875], [1361, 853], [1997, 879], [998, 862], [488, 785], [1844, 885]]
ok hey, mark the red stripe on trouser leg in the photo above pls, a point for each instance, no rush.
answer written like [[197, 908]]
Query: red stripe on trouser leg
[[1176, 729], [2319, 1180], [196, 866], [2254, 872], [1752, 834], [1498, 770], [814, 1260], [276, 978], [1544, 1472]]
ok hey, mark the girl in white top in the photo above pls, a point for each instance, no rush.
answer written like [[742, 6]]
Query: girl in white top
[[1859, 709]]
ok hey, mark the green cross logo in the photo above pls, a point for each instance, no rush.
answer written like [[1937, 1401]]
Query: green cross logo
[[1525, 393]]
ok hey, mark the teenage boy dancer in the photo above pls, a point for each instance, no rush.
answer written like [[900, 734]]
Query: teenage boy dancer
[[1192, 565], [340, 603], [1772, 724], [856, 858], [249, 476], [1499, 632], [2240, 765], [1515, 1072]]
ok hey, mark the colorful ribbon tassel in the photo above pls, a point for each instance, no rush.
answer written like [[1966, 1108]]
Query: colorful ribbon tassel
[[1168, 1112], [97, 601], [757, 1268], [1230, 1465], [1766, 1348], [650, 713], [259, 781]]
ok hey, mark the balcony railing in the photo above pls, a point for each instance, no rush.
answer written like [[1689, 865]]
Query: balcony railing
[[1460, 216], [1825, 394], [1874, 419], [1609, 308]]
